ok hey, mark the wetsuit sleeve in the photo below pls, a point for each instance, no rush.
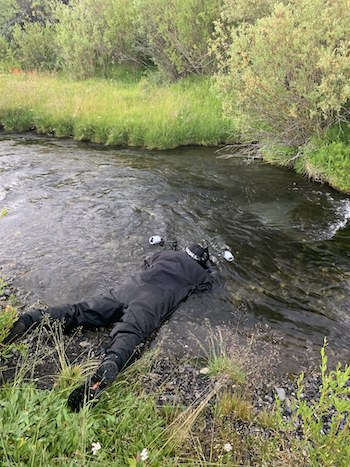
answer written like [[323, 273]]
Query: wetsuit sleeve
[[98, 311]]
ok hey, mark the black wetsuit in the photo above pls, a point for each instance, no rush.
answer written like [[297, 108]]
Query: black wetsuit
[[139, 307]]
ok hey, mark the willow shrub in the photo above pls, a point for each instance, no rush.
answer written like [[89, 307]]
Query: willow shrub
[[33, 46], [20, 12], [93, 35], [234, 13], [286, 77], [7, 61], [176, 34]]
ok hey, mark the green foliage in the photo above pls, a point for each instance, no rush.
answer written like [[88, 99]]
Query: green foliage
[[8, 316], [22, 12], [330, 447], [115, 112], [121, 33], [7, 60], [91, 36], [9, 12], [327, 162], [79, 37], [17, 119], [234, 13], [37, 427], [227, 367], [4, 49], [221, 428], [339, 133], [176, 34], [33, 46], [286, 77]]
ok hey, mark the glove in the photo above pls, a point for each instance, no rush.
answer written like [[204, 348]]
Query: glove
[[18, 329], [91, 390]]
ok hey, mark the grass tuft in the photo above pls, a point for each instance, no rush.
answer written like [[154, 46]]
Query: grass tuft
[[221, 427], [115, 112]]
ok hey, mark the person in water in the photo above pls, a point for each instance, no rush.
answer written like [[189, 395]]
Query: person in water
[[136, 310]]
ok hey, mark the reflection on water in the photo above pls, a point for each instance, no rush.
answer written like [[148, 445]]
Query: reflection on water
[[80, 218]]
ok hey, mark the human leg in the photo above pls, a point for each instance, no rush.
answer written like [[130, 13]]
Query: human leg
[[98, 311]]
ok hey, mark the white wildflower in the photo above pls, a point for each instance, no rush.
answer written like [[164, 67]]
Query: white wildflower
[[95, 447], [144, 454], [228, 447]]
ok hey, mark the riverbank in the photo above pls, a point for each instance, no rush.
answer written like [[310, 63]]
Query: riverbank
[[225, 409], [121, 113], [141, 113]]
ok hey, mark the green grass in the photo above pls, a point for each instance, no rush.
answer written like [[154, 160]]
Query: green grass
[[324, 160], [329, 163], [330, 447], [8, 316], [115, 112], [38, 429]]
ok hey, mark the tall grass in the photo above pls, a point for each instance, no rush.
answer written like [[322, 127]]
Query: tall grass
[[138, 114], [8, 316], [328, 162], [38, 429], [324, 160], [221, 427]]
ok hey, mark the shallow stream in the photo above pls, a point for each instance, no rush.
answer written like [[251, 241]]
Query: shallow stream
[[79, 218]]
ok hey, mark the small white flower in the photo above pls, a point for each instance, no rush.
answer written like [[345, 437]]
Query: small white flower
[[95, 447], [228, 447], [144, 454]]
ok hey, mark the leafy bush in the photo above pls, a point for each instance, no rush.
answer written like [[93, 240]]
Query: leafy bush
[[234, 13], [121, 33], [33, 46], [21, 12], [339, 133], [92, 36], [176, 34], [286, 77], [79, 37], [7, 61]]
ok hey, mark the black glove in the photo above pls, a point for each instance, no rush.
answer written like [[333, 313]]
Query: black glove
[[92, 389], [18, 329]]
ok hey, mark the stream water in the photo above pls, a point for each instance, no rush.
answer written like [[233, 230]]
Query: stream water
[[79, 218]]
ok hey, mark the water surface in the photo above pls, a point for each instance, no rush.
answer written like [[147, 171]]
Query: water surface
[[79, 219]]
